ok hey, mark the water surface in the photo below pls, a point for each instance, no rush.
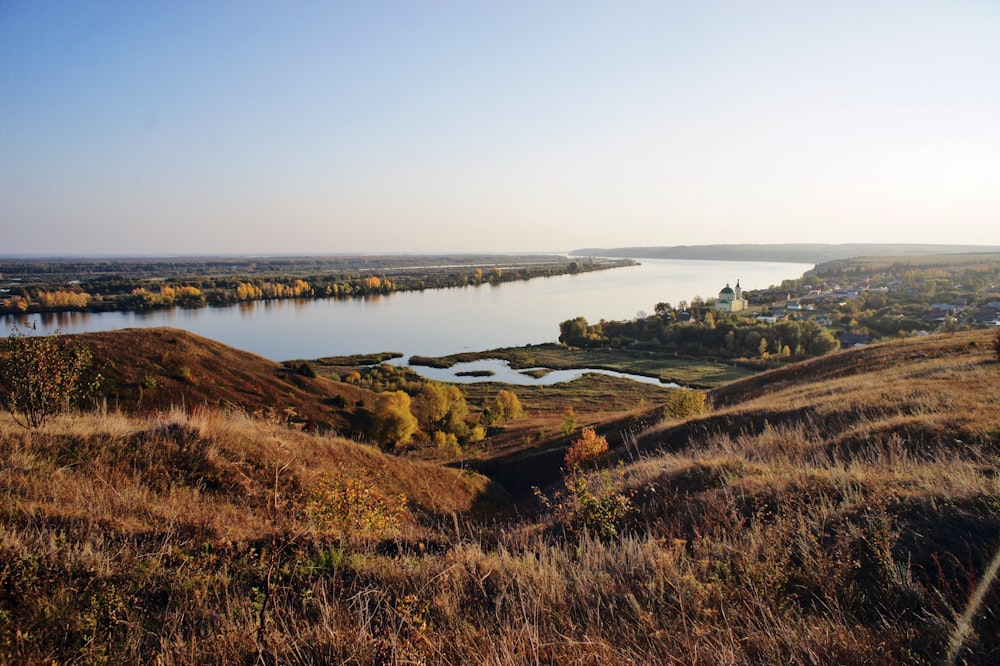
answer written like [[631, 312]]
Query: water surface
[[437, 322]]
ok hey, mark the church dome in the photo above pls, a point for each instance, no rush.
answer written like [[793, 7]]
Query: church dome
[[727, 289]]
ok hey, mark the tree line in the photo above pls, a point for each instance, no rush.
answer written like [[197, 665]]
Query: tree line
[[715, 335], [119, 291]]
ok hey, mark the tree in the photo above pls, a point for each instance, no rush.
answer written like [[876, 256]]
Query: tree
[[441, 407], [393, 425], [506, 407], [573, 332], [42, 376]]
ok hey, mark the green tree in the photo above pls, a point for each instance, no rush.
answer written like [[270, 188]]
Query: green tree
[[42, 376], [573, 332]]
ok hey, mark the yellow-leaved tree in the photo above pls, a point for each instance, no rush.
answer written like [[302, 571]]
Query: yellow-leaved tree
[[392, 422]]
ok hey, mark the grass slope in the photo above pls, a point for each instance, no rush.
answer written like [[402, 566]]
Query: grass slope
[[160, 368], [843, 510]]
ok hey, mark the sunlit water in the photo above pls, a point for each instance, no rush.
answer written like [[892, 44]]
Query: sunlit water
[[438, 322]]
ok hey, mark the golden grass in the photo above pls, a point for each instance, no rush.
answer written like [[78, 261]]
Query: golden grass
[[840, 512]]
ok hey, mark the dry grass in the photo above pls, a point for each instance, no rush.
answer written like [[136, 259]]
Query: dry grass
[[842, 520]]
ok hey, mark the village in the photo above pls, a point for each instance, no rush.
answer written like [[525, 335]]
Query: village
[[906, 302]]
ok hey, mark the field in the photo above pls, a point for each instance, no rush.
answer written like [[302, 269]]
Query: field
[[840, 510]]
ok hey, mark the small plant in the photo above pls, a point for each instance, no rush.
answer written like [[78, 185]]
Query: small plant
[[996, 344], [42, 376], [569, 421]]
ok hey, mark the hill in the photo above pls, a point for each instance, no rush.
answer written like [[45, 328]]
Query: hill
[[840, 510], [151, 369], [790, 252]]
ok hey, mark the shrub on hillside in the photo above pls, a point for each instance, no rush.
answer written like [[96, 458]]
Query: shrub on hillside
[[42, 376], [594, 504], [996, 344], [350, 504], [684, 403], [586, 450]]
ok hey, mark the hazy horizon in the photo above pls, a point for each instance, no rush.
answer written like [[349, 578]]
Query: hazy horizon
[[251, 128]]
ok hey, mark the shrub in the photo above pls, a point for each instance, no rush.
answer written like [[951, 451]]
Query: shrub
[[350, 504], [996, 344], [595, 504], [586, 450], [42, 376], [569, 421], [447, 444], [684, 403]]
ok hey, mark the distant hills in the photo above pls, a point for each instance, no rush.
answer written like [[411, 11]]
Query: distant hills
[[790, 252]]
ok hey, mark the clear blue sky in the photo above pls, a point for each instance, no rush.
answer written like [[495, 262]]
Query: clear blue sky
[[427, 126]]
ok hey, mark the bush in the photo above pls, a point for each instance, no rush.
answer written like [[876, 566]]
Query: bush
[[593, 504], [569, 421], [996, 344], [350, 504], [586, 450], [42, 376], [684, 403]]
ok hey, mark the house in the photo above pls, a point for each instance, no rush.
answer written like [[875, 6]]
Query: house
[[848, 340], [731, 300], [937, 314]]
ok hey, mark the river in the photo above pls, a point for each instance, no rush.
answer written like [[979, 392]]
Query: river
[[438, 322]]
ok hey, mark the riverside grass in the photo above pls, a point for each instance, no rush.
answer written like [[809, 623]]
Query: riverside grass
[[843, 510]]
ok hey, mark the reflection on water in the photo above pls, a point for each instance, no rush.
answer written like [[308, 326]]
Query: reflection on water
[[437, 322]]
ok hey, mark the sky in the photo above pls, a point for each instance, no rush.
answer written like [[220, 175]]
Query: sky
[[413, 126]]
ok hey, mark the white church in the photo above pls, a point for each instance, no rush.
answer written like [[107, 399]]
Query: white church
[[731, 300]]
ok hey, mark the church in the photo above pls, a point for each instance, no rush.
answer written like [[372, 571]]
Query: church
[[731, 300]]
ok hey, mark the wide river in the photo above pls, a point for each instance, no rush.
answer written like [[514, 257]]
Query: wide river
[[437, 322]]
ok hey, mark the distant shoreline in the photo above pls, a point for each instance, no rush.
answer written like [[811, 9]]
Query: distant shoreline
[[785, 252]]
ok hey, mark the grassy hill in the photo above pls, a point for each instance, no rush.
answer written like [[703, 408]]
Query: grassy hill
[[152, 369], [842, 510]]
